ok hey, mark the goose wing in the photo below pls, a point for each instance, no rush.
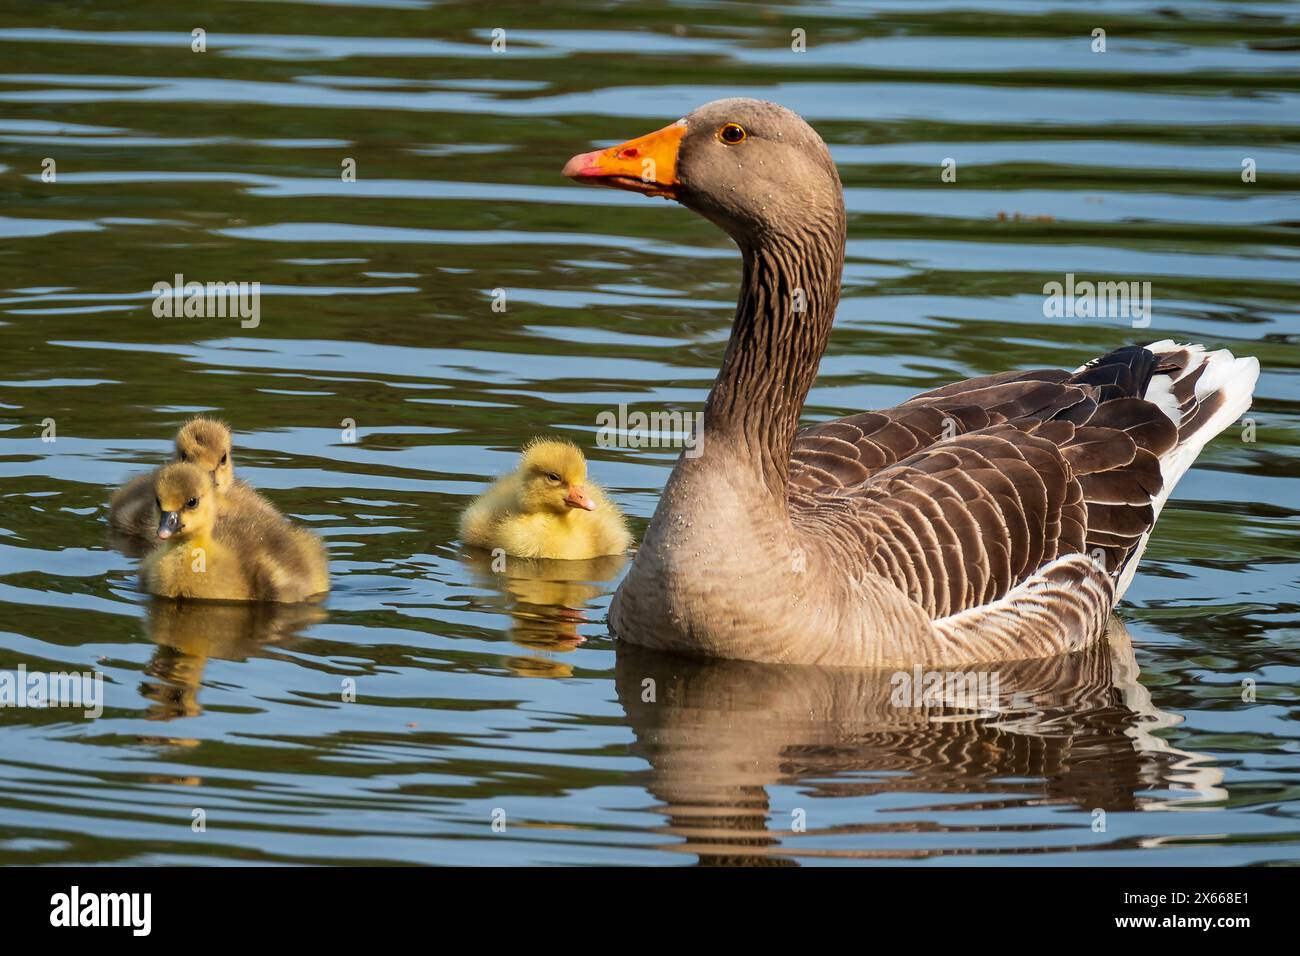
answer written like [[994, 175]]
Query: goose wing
[[961, 494], [847, 451]]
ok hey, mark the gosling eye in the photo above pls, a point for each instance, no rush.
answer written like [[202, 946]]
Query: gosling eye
[[223, 457], [193, 502], [158, 502], [552, 476], [732, 133], [184, 457]]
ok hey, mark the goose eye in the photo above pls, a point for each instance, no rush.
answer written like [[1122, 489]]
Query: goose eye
[[731, 134], [191, 503], [223, 457], [553, 476], [184, 457]]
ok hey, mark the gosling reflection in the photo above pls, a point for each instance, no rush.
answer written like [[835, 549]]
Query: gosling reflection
[[1074, 730], [190, 633], [547, 600]]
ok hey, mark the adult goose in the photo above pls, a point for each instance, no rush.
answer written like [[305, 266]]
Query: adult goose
[[999, 518]]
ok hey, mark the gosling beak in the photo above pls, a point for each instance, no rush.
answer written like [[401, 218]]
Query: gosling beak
[[169, 525], [646, 165], [577, 498]]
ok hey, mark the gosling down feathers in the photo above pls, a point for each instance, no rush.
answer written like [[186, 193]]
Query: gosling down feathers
[[547, 508], [237, 554], [204, 442], [993, 519]]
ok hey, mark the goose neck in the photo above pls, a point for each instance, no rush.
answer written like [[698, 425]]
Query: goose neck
[[789, 290]]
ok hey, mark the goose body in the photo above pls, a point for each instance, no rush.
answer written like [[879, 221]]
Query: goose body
[[204, 442], [227, 553], [999, 518]]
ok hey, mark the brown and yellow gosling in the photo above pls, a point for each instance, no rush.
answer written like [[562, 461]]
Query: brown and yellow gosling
[[227, 551], [204, 442]]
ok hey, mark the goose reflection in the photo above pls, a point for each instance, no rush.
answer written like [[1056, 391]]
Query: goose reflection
[[1075, 731], [547, 601], [190, 633]]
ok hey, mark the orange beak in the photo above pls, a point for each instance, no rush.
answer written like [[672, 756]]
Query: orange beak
[[577, 498], [644, 165]]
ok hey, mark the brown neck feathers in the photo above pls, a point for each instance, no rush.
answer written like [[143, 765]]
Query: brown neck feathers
[[788, 295]]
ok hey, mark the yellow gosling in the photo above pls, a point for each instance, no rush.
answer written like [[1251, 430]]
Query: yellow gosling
[[241, 554], [204, 442], [546, 509]]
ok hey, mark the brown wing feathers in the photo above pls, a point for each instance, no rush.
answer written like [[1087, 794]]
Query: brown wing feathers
[[964, 492], [1122, 373]]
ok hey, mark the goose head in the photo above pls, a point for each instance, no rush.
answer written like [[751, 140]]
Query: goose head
[[553, 478], [205, 443], [186, 498], [753, 168]]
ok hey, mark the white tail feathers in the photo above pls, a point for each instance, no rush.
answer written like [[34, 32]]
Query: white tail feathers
[[1222, 390], [1203, 393]]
